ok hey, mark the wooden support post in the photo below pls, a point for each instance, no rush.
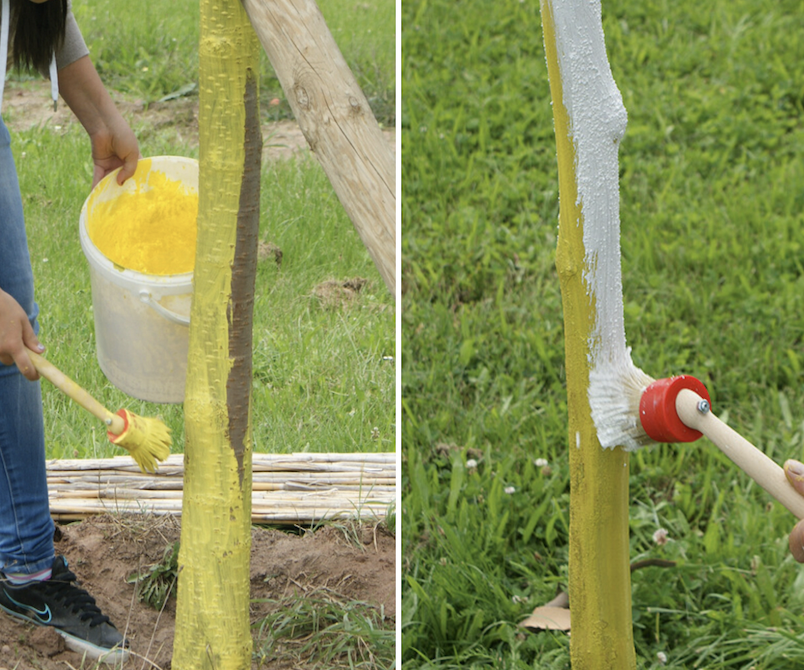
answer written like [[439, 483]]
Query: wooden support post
[[335, 118]]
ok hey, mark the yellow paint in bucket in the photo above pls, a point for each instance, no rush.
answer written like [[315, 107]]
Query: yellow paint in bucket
[[141, 319], [150, 227]]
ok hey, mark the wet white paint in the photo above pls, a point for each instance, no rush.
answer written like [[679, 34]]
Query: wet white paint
[[597, 122]]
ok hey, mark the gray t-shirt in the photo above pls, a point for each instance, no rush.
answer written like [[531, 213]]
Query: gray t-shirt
[[74, 46]]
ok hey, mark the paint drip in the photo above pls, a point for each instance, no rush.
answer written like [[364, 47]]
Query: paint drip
[[150, 228], [597, 123]]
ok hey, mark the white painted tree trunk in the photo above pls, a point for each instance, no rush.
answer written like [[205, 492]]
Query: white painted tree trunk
[[597, 121], [590, 122]]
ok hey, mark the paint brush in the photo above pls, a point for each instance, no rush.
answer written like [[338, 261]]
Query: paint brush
[[679, 409], [148, 440]]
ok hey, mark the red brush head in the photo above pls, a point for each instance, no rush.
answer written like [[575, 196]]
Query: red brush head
[[117, 438], [657, 409]]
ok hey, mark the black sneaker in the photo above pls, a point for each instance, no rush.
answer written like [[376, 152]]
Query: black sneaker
[[60, 603]]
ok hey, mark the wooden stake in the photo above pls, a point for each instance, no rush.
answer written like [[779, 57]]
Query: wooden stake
[[335, 118]]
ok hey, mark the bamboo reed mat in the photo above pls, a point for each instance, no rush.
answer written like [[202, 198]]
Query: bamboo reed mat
[[286, 488]]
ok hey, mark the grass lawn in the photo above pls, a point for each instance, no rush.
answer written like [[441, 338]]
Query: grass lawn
[[324, 377], [151, 49], [711, 173]]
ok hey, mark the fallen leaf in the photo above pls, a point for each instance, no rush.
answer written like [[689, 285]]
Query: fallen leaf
[[548, 618]]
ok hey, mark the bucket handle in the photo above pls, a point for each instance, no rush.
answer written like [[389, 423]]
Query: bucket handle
[[147, 298]]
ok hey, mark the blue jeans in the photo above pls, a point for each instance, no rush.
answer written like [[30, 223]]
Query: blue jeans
[[26, 528]]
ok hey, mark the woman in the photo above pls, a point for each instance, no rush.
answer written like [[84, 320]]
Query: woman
[[35, 584]]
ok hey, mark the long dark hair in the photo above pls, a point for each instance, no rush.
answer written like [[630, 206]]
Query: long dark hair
[[37, 30]]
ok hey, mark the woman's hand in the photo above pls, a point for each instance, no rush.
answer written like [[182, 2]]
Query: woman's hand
[[16, 334], [795, 475], [114, 147], [114, 144]]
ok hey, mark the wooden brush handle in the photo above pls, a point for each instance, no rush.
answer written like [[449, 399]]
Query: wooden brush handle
[[72, 390], [745, 455]]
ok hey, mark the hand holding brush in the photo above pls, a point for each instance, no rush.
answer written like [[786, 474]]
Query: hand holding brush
[[795, 475], [148, 440]]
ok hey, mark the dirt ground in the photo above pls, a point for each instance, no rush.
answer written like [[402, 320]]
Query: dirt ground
[[28, 104], [104, 551]]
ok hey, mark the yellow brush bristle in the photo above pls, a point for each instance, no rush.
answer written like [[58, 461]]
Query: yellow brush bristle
[[148, 440]]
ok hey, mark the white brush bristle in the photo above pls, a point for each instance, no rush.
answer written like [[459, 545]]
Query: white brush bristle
[[614, 394]]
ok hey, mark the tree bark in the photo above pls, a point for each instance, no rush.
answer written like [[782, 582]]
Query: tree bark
[[335, 118], [212, 622]]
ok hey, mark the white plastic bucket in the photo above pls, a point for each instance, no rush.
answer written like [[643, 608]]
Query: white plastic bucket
[[141, 320]]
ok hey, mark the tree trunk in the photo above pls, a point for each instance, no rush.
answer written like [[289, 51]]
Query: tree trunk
[[335, 118], [589, 123], [212, 618]]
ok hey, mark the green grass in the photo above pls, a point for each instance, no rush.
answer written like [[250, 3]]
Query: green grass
[[150, 49], [154, 585], [711, 199], [324, 377], [321, 628], [317, 626]]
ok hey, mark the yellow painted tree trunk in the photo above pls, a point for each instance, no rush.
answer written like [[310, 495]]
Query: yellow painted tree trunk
[[212, 619], [599, 571]]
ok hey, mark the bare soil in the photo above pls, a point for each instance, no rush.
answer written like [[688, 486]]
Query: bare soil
[[104, 551], [28, 104]]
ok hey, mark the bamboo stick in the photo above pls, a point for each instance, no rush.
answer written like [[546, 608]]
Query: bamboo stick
[[175, 482], [151, 494], [260, 461], [305, 512], [286, 488]]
